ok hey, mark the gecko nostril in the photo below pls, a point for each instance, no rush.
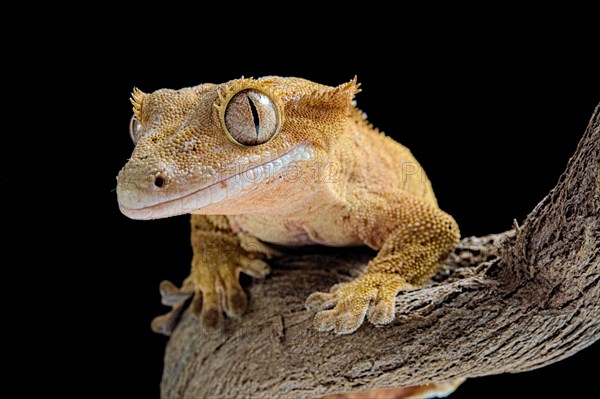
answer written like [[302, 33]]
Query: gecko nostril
[[159, 181]]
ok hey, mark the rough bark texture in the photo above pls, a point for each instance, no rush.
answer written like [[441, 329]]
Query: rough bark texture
[[509, 302]]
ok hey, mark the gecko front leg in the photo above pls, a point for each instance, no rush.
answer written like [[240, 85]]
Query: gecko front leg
[[219, 256], [417, 238]]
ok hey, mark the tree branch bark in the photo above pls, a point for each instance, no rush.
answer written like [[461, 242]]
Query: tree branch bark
[[509, 302]]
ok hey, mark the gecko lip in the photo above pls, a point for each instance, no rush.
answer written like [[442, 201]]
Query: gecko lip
[[234, 186]]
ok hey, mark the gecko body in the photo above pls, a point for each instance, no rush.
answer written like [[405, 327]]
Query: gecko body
[[289, 162]]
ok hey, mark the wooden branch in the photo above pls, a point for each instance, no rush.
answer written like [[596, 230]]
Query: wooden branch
[[510, 302]]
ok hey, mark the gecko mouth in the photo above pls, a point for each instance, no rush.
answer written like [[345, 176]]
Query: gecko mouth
[[232, 187]]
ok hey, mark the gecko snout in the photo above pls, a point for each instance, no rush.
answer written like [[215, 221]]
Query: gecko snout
[[139, 184]]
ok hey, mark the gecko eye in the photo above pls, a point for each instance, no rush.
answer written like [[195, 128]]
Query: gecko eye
[[251, 118], [134, 129]]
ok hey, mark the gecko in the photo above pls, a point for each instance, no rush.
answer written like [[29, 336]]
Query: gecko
[[264, 164]]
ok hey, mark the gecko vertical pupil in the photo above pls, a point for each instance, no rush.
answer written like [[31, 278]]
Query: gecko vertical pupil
[[251, 118], [255, 116]]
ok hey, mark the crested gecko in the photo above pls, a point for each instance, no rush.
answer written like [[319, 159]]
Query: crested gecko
[[271, 162], [289, 162]]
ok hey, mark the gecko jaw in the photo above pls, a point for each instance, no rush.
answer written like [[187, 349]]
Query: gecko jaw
[[232, 187]]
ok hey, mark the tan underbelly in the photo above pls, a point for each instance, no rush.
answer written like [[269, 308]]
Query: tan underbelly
[[321, 229]]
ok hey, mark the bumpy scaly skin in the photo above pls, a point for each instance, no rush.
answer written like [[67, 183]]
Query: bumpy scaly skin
[[416, 239], [351, 185], [219, 257], [218, 260]]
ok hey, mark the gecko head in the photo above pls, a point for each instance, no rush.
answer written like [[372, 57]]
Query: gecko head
[[242, 146]]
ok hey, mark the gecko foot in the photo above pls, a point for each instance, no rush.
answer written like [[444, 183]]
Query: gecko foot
[[215, 289], [344, 308]]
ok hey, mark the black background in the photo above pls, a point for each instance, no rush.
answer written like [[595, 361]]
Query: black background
[[493, 121]]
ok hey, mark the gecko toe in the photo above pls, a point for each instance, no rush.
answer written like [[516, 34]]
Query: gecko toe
[[349, 322], [255, 268], [165, 324], [235, 303], [207, 309], [210, 312], [211, 318], [162, 324], [171, 295], [382, 312], [325, 320], [320, 301]]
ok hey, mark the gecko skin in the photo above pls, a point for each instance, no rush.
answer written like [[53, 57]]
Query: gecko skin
[[289, 162]]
